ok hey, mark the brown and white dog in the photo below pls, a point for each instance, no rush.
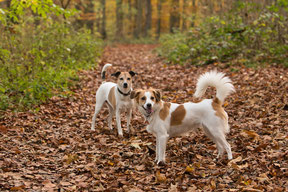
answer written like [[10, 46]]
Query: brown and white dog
[[168, 120], [117, 97]]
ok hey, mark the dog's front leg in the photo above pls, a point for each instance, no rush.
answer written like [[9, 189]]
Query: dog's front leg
[[161, 146], [157, 149], [118, 121], [128, 115]]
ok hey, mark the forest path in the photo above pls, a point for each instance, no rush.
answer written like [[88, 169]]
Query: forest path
[[55, 148]]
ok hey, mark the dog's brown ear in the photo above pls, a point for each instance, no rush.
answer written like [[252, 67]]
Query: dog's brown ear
[[158, 95], [134, 94], [116, 74], [132, 73]]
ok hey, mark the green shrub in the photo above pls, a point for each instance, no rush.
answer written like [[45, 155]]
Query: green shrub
[[259, 40], [38, 62]]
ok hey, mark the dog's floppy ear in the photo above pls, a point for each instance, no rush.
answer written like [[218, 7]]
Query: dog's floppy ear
[[116, 74], [158, 95], [132, 73], [134, 94]]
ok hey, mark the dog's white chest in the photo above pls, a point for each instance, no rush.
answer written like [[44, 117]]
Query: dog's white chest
[[125, 105]]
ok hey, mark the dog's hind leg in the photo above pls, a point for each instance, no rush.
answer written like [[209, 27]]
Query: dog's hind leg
[[128, 115], [215, 132], [220, 149], [227, 147], [98, 107], [118, 122], [111, 114]]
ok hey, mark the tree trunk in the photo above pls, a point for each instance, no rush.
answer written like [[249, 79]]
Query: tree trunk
[[138, 18], [103, 23], [210, 5], [158, 28], [130, 18], [8, 3], [185, 4], [194, 12], [90, 11], [148, 13], [63, 5], [119, 20], [174, 16]]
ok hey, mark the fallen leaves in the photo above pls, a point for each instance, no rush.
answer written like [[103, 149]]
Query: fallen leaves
[[70, 158], [56, 150], [17, 188], [160, 178], [251, 134], [189, 169], [48, 185]]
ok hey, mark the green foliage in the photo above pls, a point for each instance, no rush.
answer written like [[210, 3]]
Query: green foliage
[[40, 60], [42, 8], [231, 37], [174, 48]]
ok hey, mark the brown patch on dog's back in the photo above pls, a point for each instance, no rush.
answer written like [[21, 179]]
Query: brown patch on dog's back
[[219, 111], [164, 112], [178, 115], [111, 97]]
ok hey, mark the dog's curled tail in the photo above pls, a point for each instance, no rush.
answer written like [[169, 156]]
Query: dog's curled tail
[[215, 79], [103, 72]]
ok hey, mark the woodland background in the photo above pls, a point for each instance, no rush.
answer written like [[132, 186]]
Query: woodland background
[[44, 43], [51, 53]]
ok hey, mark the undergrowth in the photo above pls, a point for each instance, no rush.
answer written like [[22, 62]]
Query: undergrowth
[[39, 62], [232, 37]]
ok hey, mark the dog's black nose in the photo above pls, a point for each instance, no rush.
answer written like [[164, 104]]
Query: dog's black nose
[[125, 85], [149, 105]]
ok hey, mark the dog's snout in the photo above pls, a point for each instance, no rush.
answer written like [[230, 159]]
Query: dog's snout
[[125, 85], [149, 105]]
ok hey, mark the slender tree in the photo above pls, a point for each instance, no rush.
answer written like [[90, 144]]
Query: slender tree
[[194, 12], [91, 12], [174, 16], [130, 18], [185, 5], [8, 3], [65, 5], [103, 23], [148, 13], [138, 18], [119, 19], [158, 27]]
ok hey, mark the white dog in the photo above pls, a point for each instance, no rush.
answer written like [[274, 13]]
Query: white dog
[[117, 97], [168, 120]]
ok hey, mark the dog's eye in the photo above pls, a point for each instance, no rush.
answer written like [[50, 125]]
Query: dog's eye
[[143, 98], [152, 98], [128, 79], [121, 79]]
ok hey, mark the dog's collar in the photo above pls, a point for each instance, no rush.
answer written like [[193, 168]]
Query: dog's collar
[[125, 94]]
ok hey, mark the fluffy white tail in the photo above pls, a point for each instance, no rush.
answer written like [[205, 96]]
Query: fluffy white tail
[[103, 72], [222, 84]]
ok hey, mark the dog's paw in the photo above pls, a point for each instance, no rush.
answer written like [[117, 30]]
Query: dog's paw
[[120, 134], [92, 129], [161, 162]]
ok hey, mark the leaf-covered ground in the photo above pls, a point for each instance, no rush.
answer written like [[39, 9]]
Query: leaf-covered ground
[[56, 150]]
